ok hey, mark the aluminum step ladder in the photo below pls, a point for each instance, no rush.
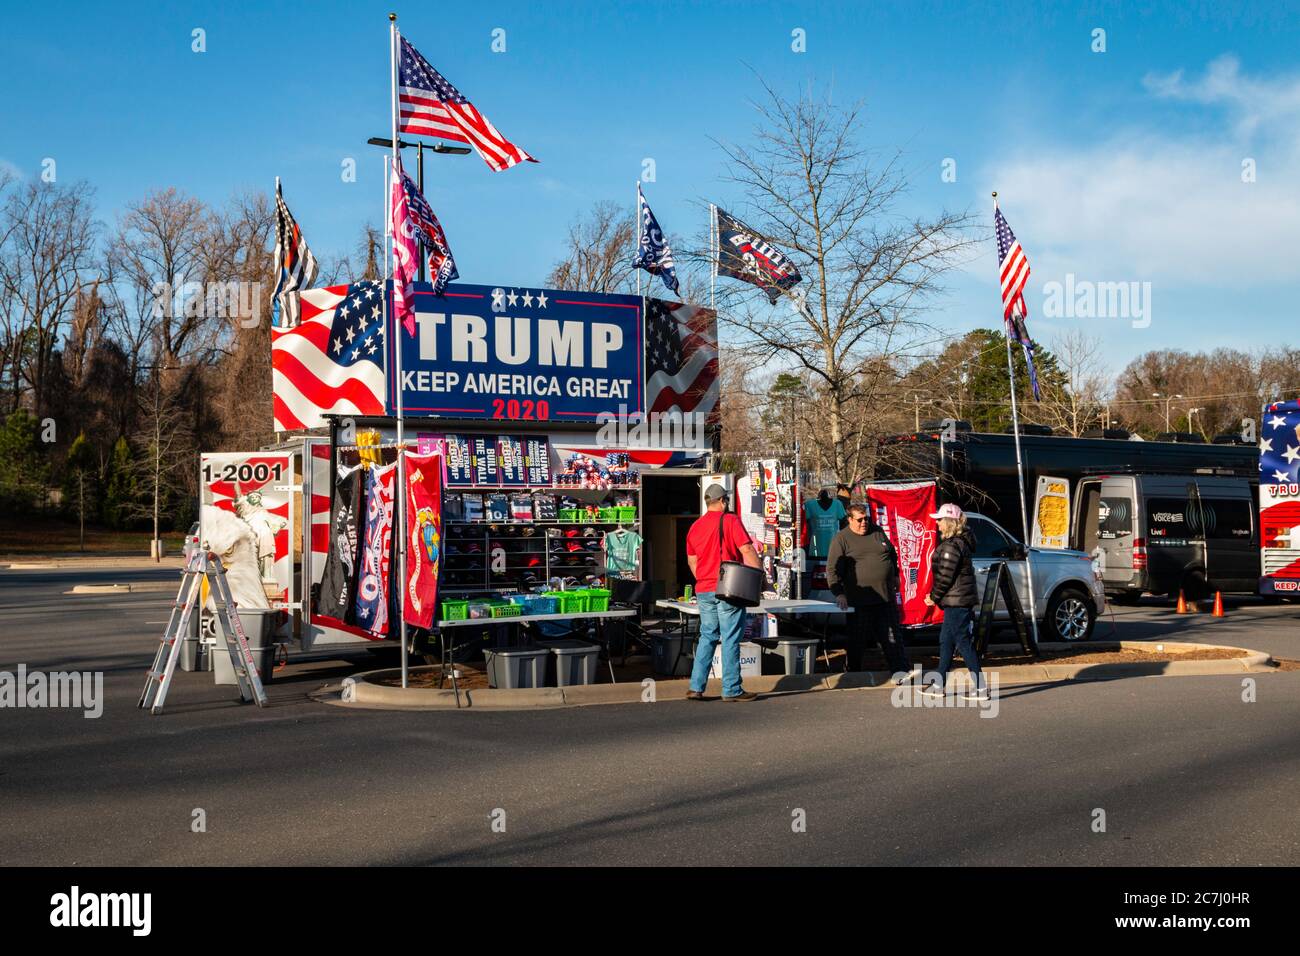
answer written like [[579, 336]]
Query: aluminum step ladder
[[202, 566]]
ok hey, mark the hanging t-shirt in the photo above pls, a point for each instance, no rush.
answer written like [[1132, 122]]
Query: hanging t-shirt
[[823, 523], [620, 551]]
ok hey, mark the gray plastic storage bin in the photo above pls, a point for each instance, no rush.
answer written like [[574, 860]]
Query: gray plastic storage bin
[[798, 654], [258, 625], [520, 667], [664, 655], [572, 662]]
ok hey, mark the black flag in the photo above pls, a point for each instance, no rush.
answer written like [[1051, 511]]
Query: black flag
[[745, 255], [339, 582]]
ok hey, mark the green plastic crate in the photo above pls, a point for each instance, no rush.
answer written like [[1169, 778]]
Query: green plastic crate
[[568, 602], [506, 610], [608, 515], [597, 599], [570, 514], [455, 610], [625, 514]]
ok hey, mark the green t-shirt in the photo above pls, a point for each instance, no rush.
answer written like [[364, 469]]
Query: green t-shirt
[[823, 523]]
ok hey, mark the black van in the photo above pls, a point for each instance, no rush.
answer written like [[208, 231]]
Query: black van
[[1168, 533]]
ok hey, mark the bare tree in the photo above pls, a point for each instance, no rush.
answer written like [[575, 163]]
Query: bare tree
[[599, 251], [47, 246], [162, 243], [167, 452], [869, 272], [1078, 403]]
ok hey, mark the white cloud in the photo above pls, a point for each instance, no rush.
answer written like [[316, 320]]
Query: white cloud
[[1146, 204]]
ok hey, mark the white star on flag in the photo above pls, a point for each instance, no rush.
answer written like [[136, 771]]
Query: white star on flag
[[1266, 444], [528, 299], [541, 300], [1276, 421], [511, 299], [1280, 476], [1291, 454]]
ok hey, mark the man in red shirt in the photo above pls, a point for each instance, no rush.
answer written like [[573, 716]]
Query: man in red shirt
[[707, 546]]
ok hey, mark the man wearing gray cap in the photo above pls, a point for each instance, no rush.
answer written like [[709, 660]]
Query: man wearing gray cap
[[717, 536]]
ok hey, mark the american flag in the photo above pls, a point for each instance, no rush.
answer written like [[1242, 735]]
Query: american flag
[[295, 266], [1279, 504], [681, 358], [1013, 267], [1013, 270], [430, 106], [332, 361]]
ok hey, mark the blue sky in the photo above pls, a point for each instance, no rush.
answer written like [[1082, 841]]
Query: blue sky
[[1123, 165]]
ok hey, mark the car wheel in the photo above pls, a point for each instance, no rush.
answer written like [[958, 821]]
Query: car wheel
[[1070, 616]]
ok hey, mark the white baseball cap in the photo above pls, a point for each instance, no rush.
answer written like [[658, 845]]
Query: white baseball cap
[[949, 510]]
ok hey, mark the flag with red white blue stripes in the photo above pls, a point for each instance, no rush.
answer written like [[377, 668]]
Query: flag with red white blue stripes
[[1013, 271], [431, 106]]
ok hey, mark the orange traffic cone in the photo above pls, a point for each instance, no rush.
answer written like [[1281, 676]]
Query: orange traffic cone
[[1218, 604], [1182, 604]]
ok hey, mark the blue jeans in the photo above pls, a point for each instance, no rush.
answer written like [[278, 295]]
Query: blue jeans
[[722, 621], [955, 632]]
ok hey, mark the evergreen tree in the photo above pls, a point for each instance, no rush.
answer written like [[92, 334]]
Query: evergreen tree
[[24, 468], [122, 493], [79, 487]]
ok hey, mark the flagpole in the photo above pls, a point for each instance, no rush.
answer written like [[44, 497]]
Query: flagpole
[[713, 255], [393, 330], [637, 218], [1027, 531]]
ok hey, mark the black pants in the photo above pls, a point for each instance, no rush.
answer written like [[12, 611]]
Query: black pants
[[874, 624]]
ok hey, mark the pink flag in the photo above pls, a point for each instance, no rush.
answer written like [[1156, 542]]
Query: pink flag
[[406, 255]]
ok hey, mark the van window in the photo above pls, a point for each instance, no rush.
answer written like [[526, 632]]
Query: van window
[[1227, 519], [1174, 520], [1114, 518], [1086, 524]]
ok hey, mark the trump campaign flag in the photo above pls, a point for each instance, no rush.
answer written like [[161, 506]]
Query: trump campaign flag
[[744, 254], [653, 253], [903, 512], [371, 606], [414, 221], [423, 475]]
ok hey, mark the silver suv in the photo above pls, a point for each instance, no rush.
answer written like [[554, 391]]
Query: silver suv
[[1068, 590]]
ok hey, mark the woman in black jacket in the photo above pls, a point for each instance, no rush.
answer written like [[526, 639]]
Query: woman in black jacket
[[952, 587]]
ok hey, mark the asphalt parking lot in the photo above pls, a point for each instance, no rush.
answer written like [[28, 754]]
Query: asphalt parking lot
[[1185, 770]]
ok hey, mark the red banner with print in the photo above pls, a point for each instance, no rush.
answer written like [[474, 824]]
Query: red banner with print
[[904, 512], [423, 537]]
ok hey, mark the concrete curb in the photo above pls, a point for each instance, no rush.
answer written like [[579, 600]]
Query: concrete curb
[[137, 587], [362, 690]]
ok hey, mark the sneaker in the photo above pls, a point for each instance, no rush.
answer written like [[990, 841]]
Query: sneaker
[[982, 694], [904, 677], [743, 695], [932, 690], [695, 695]]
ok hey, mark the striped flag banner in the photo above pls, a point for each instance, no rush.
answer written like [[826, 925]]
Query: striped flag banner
[[295, 266]]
